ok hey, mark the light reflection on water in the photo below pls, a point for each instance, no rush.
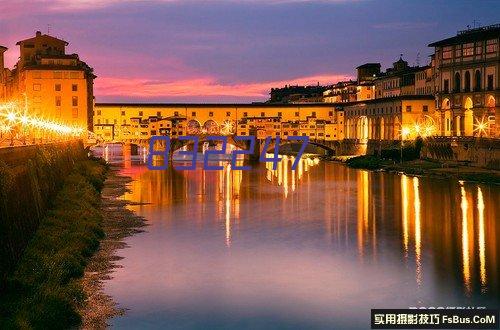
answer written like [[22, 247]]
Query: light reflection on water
[[316, 247]]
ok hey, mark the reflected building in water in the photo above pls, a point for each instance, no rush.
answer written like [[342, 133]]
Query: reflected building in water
[[443, 232]]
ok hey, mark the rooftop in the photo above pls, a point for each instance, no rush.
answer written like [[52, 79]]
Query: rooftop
[[40, 35], [485, 32]]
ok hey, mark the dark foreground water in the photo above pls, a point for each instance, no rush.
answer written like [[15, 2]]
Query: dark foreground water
[[313, 248]]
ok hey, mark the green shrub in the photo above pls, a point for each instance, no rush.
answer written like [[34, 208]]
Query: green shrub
[[44, 291]]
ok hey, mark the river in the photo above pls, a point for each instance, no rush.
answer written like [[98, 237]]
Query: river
[[313, 248]]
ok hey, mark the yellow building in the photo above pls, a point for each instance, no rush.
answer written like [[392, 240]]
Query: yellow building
[[131, 122], [467, 83], [51, 84], [394, 118]]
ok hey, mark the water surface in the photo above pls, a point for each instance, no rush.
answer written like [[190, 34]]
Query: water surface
[[313, 248]]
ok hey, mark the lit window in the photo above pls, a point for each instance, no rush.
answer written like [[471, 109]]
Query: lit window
[[491, 46], [447, 52], [479, 48], [468, 49]]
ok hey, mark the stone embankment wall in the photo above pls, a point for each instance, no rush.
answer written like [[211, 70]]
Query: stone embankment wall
[[30, 176], [479, 152]]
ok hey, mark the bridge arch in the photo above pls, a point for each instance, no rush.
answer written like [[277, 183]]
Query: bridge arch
[[312, 147]]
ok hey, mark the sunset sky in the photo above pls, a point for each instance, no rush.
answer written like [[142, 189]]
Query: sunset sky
[[234, 51]]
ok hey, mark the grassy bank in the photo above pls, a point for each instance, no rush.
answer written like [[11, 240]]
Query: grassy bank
[[44, 291], [427, 168]]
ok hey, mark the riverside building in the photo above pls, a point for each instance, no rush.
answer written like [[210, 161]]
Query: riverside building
[[49, 83], [467, 85]]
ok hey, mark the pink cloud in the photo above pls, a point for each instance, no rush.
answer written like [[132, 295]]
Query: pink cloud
[[196, 87]]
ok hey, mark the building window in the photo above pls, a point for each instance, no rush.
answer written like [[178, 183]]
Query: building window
[[176, 113], [279, 114], [491, 46], [477, 78], [425, 108], [74, 88], [469, 49], [330, 113], [262, 114], [123, 113], [467, 81], [210, 114], [296, 114], [458, 51], [58, 87], [74, 101], [457, 82], [141, 113], [408, 108], [193, 114], [490, 82], [74, 112], [98, 112], [447, 52], [245, 114], [446, 87], [58, 101], [479, 48], [158, 114], [313, 114], [228, 114], [37, 87]]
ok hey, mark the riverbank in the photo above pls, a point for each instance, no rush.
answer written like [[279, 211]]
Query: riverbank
[[44, 290], [57, 283], [118, 223], [425, 167]]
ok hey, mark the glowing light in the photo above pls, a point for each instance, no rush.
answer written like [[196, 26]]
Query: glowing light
[[405, 131], [11, 116], [227, 127], [481, 126], [10, 112]]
